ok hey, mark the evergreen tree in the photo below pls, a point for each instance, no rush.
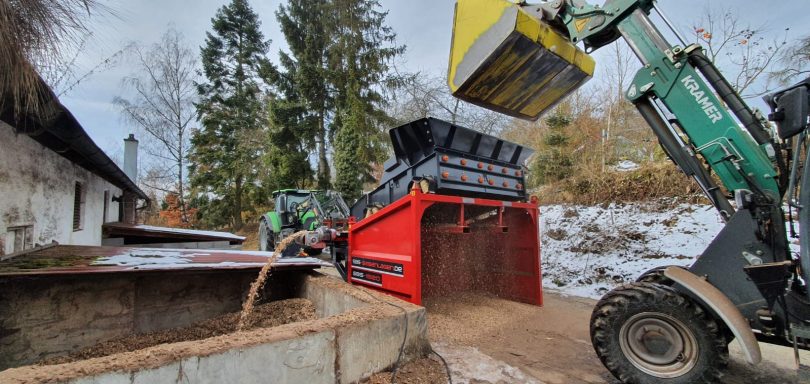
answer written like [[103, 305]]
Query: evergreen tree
[[287, 156], [350, 164], [226, 150], [359, 58], [554, 161], [305, 25]]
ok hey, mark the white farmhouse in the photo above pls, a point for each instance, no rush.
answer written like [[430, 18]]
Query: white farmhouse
[[57, 185]]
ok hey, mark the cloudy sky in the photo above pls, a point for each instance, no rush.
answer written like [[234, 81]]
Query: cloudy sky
[[424, 26]]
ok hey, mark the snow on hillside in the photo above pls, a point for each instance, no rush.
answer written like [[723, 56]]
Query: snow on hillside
[[588, 250]]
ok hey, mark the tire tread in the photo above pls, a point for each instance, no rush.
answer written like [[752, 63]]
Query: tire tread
[[618, 301]]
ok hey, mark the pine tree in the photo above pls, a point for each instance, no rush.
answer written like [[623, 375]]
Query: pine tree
[[554, 160], [351, 167], [287, 156], [226, 150], [359, 58], [305, 25]]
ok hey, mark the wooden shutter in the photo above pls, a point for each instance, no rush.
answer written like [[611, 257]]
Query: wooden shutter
[[77, 207]]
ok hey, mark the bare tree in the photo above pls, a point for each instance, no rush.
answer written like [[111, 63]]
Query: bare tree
[[33, 36], [623, 134], [424, 95], [748, 52], [162, 106], [795, 62]]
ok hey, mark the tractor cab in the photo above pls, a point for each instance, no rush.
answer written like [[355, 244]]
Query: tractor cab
[[291, 205]]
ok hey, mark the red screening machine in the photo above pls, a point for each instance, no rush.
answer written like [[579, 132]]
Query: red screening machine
[[450, 215]]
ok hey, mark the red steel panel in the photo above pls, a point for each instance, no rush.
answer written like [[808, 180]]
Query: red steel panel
[[428, 244]]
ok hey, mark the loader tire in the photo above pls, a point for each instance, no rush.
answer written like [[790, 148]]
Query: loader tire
[[647, 333], [656, 275]]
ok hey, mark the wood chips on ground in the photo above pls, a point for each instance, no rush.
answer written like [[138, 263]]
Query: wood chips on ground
[[421, 371], [263, 316]]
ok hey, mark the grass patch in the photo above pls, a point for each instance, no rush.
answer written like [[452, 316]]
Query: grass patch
[[32, 262]]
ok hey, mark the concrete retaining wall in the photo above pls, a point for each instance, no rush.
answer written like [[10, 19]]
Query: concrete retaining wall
[[305, 359], [360, 334], [48, 317]]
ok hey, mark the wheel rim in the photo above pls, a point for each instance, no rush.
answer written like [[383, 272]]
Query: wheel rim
[[263, 237], [658, 344]]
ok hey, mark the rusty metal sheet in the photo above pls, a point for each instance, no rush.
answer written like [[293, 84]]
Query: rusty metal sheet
[[78, 260], [123, 229]]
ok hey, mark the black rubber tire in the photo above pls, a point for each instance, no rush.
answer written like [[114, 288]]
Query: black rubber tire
[[656, 276], [623, 303], [313, 251], [271, 243]]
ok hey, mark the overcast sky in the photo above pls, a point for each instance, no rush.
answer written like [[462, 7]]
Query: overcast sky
[[424, 26]]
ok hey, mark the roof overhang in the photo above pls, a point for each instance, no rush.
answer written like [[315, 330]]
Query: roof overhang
[[57, 129]]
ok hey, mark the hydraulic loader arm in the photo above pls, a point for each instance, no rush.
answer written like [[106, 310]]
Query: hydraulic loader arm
[[522, 55]]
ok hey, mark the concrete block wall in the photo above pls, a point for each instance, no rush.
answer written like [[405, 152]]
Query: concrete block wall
[[362, 336], [48, 317], [365, 349], [306, 359]]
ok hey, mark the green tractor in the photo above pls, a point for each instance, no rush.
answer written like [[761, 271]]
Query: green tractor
[[299, 209]]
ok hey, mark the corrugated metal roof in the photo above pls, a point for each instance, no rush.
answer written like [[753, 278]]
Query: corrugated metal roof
[[79, 260]]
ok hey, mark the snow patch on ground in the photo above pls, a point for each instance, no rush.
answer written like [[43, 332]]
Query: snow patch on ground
[[588, 250], [625, 166]]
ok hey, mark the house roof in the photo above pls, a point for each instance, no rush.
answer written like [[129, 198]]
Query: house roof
[[57, 129]]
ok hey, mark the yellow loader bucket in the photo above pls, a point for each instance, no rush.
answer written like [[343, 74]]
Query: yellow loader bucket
[[506, 60]]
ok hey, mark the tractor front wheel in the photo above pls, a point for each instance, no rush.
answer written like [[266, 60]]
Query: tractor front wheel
[[266, 238], [648, 333]]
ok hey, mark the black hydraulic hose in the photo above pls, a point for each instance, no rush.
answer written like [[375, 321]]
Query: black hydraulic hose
[[687, 162], [739, 108], [729, 96]]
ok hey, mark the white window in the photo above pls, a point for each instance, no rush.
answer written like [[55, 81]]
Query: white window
[[19, 238], [78, 207]]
